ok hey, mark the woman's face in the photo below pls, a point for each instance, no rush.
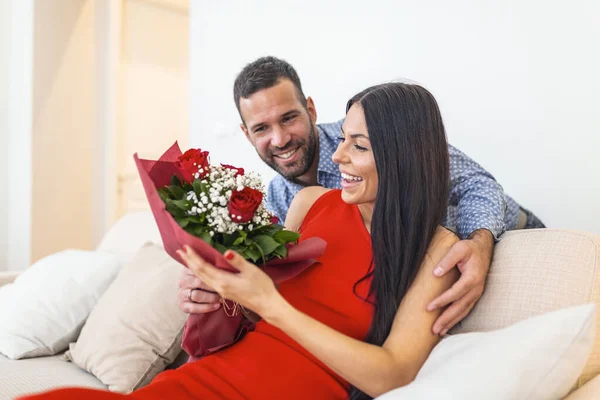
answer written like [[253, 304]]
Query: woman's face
[[355, 158]]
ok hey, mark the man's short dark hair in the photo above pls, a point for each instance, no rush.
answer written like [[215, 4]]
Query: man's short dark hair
[[262, 74]]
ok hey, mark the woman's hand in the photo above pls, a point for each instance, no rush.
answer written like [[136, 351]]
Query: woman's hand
[[250, 287]]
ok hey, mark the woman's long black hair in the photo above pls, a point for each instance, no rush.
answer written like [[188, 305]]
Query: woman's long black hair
[[411, 156]]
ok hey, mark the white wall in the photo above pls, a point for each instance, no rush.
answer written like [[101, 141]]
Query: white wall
[[16, 50], [517, 82], [4, 124]]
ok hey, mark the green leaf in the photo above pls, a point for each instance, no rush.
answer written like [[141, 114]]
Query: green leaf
[[238, 241], [198, 187], [198, 219], [164, 194], [183, 204], [175, 181], [262, 253], [206, 237], [183, 222], [229, 239], [252, 254], [175, 211], [222, 249], [176, 191], [281, 252], [267, 244], [285, 236]]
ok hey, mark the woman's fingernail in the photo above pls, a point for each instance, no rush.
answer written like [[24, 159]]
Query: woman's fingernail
[[438, 271], [431, 307], [229, 255]]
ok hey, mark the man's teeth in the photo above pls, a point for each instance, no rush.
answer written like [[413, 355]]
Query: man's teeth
[[286, 155], [351, 178]]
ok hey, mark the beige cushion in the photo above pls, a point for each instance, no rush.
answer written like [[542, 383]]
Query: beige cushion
[[33, 375], [589, 391], [135, 330], [537, 271]]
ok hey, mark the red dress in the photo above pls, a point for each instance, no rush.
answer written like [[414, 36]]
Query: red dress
[[266, 363]]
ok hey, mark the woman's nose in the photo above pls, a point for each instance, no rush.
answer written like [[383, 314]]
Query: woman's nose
[[338, 155]]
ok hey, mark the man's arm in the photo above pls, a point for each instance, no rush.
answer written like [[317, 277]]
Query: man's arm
[[479, 207], [479, 200]]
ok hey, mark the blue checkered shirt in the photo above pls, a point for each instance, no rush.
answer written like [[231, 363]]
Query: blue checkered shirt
[[476, 200]]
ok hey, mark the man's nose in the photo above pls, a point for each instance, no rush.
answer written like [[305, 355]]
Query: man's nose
[[280, 138]]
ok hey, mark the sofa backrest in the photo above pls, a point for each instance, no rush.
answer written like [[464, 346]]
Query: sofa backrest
[[130, 233], [537, 271]]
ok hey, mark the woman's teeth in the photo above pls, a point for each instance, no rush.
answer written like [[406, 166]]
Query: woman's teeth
[[287, 155], [351, 178]]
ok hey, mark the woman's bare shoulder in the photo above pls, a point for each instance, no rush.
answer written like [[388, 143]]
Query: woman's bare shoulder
[[302, 202]]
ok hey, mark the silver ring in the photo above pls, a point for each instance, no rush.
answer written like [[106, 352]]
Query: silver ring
[[190, 295]]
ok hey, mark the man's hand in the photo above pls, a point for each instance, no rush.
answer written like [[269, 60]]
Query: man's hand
[[202, 299], [473, 257]]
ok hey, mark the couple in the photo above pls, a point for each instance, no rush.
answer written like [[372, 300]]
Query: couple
[[280, 122], [357, 323]]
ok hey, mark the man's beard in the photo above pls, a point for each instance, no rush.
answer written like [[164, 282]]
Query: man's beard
[[299, 167]]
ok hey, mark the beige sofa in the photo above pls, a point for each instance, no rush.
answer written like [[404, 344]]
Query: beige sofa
[[521, 258]]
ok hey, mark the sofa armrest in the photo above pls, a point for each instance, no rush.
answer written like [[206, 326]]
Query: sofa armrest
[[589, 391], [7, 277]]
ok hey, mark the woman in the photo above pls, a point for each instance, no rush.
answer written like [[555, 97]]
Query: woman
[[357, 321]]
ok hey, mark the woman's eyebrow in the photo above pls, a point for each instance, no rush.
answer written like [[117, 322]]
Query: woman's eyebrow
[[355, 135]]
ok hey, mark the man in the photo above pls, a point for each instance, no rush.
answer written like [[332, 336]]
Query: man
[[280, 122]]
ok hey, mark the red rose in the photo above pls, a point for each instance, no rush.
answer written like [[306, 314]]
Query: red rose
[[189, 162], [238, 171], [244, 204], [274, 220]]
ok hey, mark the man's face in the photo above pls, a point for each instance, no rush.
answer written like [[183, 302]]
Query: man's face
[[281, 130]]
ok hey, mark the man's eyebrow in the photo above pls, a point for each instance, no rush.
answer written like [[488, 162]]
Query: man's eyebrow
[[258, 125], [289, 113], [355, 135], [284, 115]]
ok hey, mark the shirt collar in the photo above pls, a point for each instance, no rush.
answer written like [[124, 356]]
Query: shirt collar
[[326, 145]]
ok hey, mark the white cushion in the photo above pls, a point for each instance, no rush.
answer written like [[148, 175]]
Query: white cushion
[[536, 271], [129, 234], [539, 358], [33, 375], [46, 306]]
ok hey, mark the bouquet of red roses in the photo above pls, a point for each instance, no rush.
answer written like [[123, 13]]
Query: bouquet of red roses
[[213, 209]]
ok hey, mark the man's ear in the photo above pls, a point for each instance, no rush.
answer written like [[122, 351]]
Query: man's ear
[[312, 111], [245, 130]]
